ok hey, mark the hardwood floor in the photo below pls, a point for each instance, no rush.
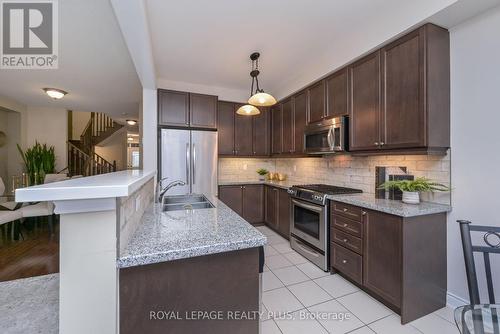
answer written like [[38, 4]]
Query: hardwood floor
[[37, 254]]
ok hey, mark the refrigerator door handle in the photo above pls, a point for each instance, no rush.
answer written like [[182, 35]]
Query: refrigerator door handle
[[187, 163], [194, 163]]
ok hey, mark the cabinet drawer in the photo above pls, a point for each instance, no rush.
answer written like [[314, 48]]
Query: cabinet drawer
[[347, 262], [349, 211], [347, 240], [347, 225]]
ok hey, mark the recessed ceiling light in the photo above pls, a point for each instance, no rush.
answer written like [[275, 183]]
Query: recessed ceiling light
[[131, 122], [55, 93]]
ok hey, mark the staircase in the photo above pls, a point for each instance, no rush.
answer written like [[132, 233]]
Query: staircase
[[82, 159]]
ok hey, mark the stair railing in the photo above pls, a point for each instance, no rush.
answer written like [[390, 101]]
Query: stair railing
[[81, 163]]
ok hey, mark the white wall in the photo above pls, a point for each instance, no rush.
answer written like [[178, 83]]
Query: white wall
[[148, 131], [49, 126], [115, 148], [475, 138]]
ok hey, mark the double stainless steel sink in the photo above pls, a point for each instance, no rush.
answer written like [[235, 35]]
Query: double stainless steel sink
[[185, 202]]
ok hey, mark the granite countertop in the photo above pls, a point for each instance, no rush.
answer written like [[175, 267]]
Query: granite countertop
[[279, 184], [392, 207], [367, 201], [173, 235]]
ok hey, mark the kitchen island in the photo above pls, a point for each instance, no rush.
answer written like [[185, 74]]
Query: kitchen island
[[121, 256]]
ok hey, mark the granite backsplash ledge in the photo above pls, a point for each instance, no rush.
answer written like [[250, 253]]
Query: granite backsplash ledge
[[342, 170]]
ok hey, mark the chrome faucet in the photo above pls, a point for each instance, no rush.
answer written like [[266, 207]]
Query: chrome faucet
[[167, 188]]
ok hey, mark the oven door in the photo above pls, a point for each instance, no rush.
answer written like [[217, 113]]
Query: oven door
[[308, 222]]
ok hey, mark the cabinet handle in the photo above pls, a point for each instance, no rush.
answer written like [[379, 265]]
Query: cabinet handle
[[376, 143], [345, 225], [345, 240], [344, 261], [363, 213], [345, 210], [382, 143]]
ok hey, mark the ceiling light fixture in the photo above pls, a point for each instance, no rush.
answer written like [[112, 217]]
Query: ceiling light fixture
[[130, 138], [131, 122], [259, 97], [55, 93], [247, 110]]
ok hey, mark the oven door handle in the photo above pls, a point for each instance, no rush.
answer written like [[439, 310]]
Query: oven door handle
[[306, 249], [311, 207]]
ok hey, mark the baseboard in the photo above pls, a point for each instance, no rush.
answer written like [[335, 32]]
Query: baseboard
[[454, 301]]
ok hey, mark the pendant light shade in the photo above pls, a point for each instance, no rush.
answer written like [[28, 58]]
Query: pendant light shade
[[262, 99], [247, 110]]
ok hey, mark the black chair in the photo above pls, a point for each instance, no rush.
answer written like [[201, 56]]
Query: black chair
[[478, 318]]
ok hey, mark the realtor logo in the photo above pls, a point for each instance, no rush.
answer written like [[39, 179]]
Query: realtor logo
[[29, 34]]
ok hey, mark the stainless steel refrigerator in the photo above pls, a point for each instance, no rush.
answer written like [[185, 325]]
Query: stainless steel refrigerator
[[190, 156]]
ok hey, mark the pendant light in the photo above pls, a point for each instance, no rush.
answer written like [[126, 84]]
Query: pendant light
[[247, 110], [259, 97]]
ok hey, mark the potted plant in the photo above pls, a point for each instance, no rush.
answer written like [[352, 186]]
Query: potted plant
[[412, 188], [39, 160], [262, 173]]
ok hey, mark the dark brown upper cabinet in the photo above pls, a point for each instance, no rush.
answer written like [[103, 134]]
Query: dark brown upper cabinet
[[182, 109], [365, 103], [226, 115], [400, 95], [262, 132], [336, 94], [277, 135], [243, 134], [316, 101], [288, 132], [300, 112], [173, 108], [203, 110]]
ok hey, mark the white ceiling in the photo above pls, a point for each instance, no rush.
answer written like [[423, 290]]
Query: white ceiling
[[94, 66], [207, 43]]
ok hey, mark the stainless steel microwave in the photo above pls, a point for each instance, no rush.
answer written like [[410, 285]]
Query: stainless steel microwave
[[327, 136]]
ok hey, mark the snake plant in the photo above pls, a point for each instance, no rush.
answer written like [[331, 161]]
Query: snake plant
[[39, 160]]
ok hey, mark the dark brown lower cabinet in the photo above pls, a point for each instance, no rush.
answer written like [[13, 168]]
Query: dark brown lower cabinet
[[271, 217], [225, 282], [232, 196], [284, 207], [245, 200], [401, 261]]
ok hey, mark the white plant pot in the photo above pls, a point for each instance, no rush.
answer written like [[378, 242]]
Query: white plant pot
[[411, 197], [262, 177]]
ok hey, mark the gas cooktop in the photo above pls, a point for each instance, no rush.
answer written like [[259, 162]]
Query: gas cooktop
[[328, 189], [317, 193]]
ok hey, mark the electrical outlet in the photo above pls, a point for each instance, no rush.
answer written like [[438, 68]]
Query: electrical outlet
[[295, 168], [245, 166], [137, 203]]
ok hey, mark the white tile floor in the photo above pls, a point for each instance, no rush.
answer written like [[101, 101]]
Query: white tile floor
[[298, 297]]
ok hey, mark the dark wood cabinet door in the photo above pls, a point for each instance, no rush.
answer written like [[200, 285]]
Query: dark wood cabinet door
[[243, 134], [253, 203], [232, 196], [336, 94], [284, 207], [316, 101], [272, 207], [225, 129], [203, 110], [173, 108], [262, 132], [300, 112], [288, 128], [364, 78], [382, 265], [403, 114], [277, 135]]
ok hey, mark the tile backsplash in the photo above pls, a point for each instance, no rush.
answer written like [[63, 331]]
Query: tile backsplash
[[342, 170]]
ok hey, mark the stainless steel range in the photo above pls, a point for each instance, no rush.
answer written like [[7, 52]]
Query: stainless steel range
[[309, 222]]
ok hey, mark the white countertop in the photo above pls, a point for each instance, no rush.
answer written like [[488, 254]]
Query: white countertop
[[118, 184]]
